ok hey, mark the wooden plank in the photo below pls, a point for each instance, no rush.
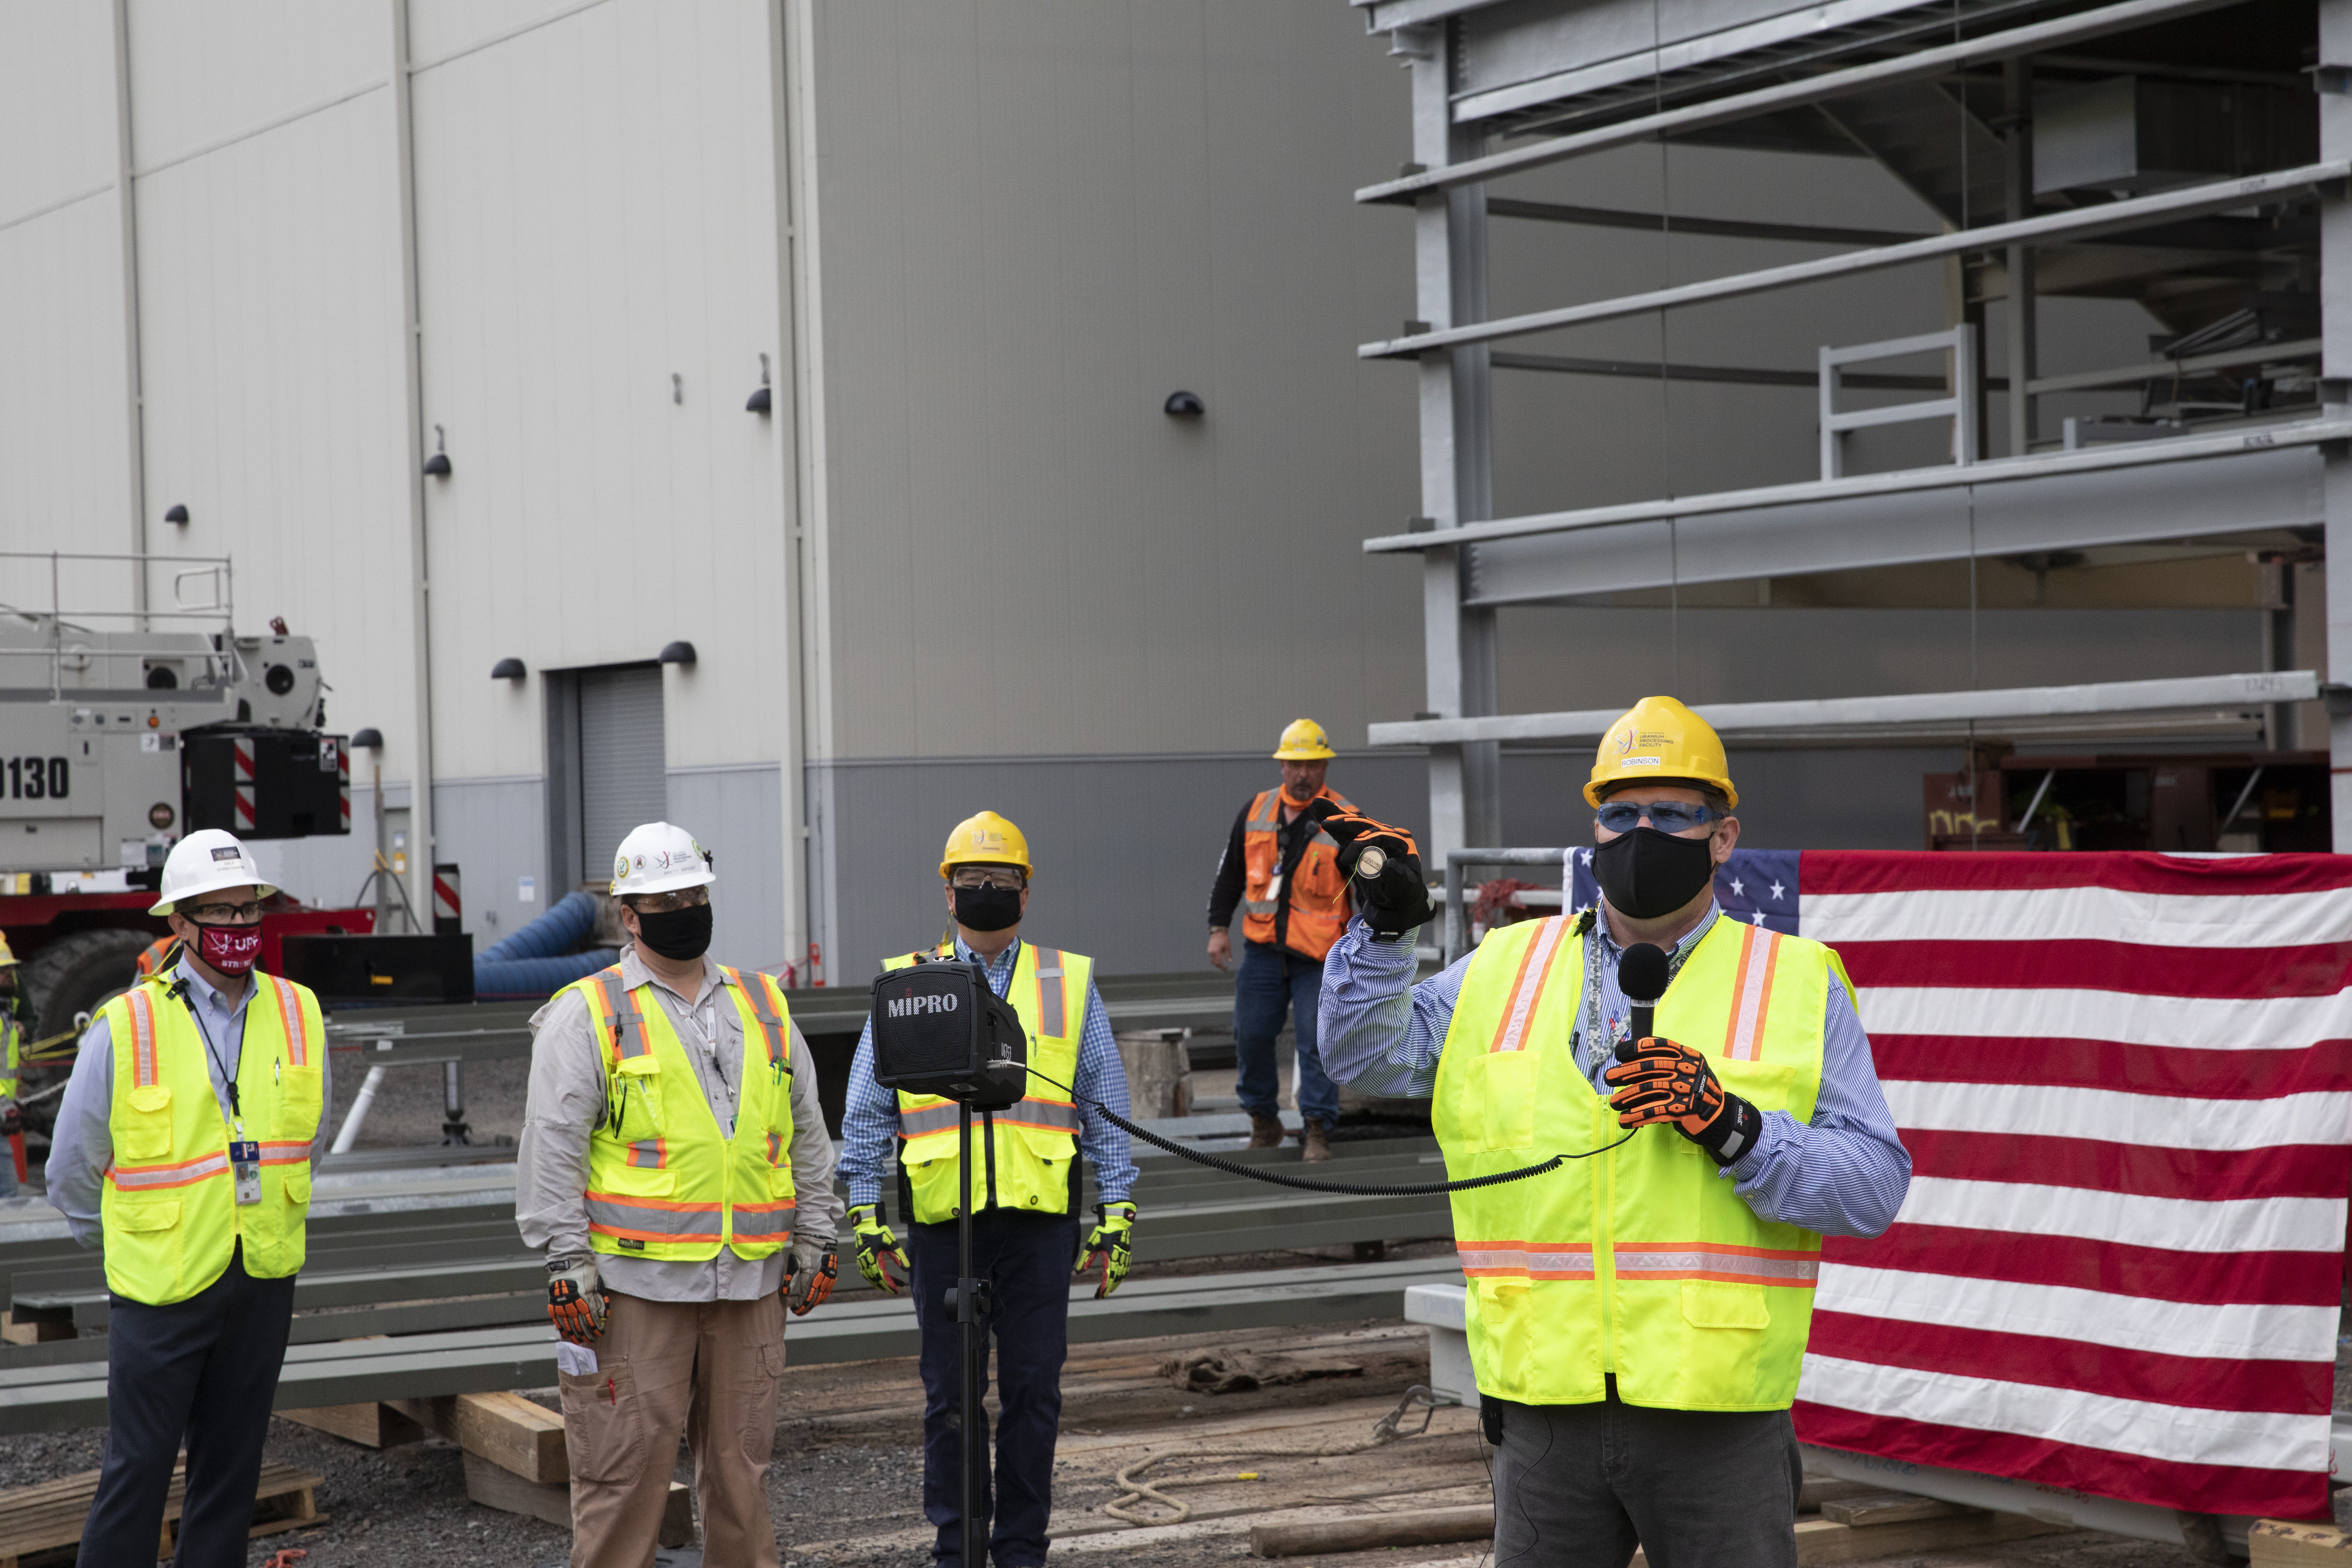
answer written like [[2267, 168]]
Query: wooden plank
[[494, 1486], [37, 1331], [504, 1428], [39, 1517], [1419, 1527], [2284, 1543], [1821, 1541], [1877, 1508], [1819, 1490], [372, 1425]]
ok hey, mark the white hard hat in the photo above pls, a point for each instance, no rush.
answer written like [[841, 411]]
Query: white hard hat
[[206, 861], [659, 858]]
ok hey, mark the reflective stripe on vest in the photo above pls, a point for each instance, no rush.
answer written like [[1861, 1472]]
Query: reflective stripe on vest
[[168, 1202], [665, 1181], [1641, 1263], [1057, 1115]]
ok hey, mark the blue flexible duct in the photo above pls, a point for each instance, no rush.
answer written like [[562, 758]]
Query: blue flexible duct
[[570, 921], [539, 960]]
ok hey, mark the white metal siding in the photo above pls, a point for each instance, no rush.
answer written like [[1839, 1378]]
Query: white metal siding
[[622, 782]]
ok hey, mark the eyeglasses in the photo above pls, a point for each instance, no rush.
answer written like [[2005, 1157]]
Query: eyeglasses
[[973, 878], [663, 903], [225, 914], [1665, 815]]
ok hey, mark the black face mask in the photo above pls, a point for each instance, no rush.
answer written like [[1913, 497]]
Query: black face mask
[[680, 934], [987, 909], [1645, 873]]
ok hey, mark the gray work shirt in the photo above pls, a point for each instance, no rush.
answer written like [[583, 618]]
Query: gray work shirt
[[566, 1100], [81, 1149]]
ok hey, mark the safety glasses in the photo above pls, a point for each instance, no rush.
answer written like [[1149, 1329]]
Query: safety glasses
[[1665, 815], [663, 903], [973, 878]]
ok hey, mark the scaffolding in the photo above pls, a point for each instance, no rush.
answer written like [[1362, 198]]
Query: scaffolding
[[2060, 144]]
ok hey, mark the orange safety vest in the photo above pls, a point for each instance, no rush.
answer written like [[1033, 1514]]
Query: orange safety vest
[[1316, 891]]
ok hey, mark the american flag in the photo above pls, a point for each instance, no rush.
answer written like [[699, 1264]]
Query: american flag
[[2126, 1082]]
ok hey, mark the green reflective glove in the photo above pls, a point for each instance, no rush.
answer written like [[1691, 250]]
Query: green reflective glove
[[878, 1249], [1114, 1231]]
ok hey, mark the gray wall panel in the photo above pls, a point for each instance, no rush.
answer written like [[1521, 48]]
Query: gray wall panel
[[495, 830], [737, 814]]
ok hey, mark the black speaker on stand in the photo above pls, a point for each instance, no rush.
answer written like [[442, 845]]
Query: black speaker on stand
[[939, 1029]]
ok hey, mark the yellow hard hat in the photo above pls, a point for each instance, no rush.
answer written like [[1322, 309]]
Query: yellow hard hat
[[1659, 741], [1304, 741], [986, 839], [6, 957]]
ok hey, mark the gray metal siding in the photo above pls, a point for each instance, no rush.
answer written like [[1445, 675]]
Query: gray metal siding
[[621, 781]]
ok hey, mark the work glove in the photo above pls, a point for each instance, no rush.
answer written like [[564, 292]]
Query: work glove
[[1658, 1080], [809, 1273], [1114, 1230], [576, 1300], [1397, 900], [878, 1249]]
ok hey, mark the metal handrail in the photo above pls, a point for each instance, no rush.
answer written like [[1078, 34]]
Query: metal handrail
[[1455, 941], [219, 568]]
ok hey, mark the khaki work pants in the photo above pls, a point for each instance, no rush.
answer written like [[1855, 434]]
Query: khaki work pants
[[707, 1368]]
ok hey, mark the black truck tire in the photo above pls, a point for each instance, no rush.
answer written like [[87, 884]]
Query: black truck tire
[[73, 976]]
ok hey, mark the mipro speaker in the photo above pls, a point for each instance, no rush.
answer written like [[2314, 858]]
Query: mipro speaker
[[939, 1029]]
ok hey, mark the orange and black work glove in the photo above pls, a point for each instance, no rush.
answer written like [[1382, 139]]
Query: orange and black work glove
[[879, 1256], [575, 1298], [1658, 1080], [1396, 899], [1109, 1246], [809, 1273]]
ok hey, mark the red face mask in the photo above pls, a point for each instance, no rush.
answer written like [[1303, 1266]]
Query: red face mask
[[231, 950]]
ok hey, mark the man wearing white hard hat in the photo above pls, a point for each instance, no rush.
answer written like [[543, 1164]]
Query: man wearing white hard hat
[[674, 1163], [185, 1146]]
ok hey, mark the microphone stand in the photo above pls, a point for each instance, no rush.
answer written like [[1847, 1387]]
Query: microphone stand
[[970, 1301]]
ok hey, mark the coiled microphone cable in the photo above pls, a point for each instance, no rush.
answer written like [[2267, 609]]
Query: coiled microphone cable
[[1346, 1189]]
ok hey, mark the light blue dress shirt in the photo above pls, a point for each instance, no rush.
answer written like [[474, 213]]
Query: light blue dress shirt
[[869, 1121], [82, 1148], [1844, 1173]]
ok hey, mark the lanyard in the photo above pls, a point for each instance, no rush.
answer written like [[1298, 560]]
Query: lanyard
[[1594, 937], [236, 1104]]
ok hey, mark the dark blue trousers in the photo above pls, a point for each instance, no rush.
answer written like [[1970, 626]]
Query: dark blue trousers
[[204, 1369], [1272, 981], [1026, 1259]]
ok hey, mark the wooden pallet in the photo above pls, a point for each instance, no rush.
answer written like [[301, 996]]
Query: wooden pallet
[[2285, 1542], [494, 1486], [48, 1518]]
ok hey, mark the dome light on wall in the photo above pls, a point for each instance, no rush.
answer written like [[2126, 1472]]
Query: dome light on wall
[[179, 514], [761, 400], [368, 740], [678, 653], [437, 465], [507, 669], [1183, 405]]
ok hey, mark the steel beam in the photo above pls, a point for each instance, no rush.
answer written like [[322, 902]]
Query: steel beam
[[1917, 66], [1749, 718], [2192, 201]]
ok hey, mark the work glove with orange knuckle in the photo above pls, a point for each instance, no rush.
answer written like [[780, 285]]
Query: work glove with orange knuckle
[[1110, 1247], [809, 1275], [576, 1302], [879, 1256], [1396, 899], [1658, 1080]]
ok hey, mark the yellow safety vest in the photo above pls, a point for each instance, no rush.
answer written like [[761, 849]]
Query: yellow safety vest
[[14, 1033], [1029, 1146], [1643, 1262], [665, 1180], [170, 1208]]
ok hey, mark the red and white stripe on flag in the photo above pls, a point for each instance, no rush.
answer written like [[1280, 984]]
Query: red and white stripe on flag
[[2126, 1082]]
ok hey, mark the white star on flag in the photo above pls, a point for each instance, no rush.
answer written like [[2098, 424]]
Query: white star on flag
[[1777, 889], [1737, 889]]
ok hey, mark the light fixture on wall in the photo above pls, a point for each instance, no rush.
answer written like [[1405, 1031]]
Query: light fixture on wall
[[437, 465], [178, 513], [678, 653], [1183, 405], [368, 740], [761, 400], [507, 670]]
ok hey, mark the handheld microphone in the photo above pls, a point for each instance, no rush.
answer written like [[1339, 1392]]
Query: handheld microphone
[[1642, 975]]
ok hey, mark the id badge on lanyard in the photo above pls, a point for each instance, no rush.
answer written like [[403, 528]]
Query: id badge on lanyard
[[245, 1158]]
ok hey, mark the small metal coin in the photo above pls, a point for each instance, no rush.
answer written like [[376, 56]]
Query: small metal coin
[[1370, 863]]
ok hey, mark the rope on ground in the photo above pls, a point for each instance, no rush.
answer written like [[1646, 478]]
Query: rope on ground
[[1387, 1429]]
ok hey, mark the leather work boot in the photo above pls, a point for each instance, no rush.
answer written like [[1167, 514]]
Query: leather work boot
[[1319, 1144], [1265, 1131]]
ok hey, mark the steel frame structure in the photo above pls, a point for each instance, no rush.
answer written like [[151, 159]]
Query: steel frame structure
[[2291, 471]]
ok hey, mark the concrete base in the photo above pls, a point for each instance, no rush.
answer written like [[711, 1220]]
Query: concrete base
[[1443, 1309]]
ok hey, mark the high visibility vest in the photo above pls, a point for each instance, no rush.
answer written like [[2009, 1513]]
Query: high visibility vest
[[11, 1034], [665, 1180], [169, 1204], [1027, 1150], [1642, 1263], [1317, 893]]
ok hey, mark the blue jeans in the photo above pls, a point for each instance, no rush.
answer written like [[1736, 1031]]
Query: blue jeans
[[1026, 1259], [1273, 980]]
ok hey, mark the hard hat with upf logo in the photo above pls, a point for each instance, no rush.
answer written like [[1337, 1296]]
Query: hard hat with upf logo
[[206, 861], [986, 839], [659, 858], [1304, 741], [1659, 741]]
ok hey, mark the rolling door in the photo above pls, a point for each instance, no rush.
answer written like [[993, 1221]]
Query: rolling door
[[622, 777]]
